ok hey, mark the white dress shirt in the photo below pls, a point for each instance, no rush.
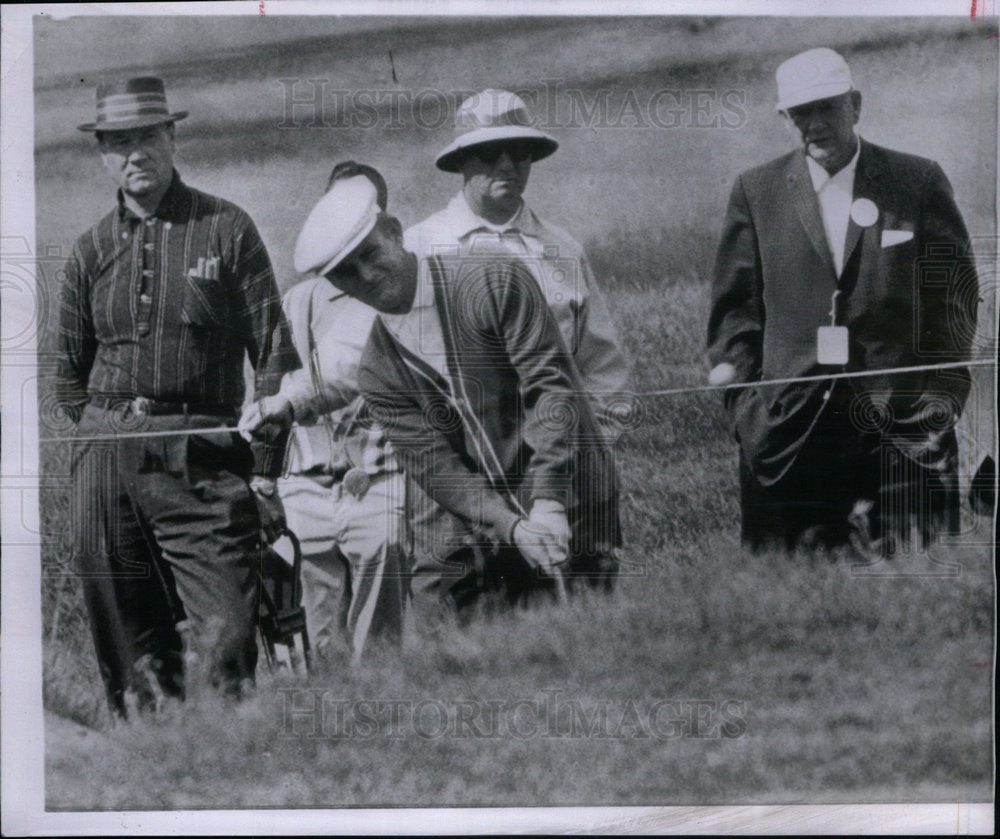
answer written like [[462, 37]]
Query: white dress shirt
[[329, 330], [835, 194], [419, 329]]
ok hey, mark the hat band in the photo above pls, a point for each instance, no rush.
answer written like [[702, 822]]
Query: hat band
[[508, 119], [118, 107]]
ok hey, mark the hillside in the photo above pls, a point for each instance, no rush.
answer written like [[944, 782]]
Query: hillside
[[776, 679]]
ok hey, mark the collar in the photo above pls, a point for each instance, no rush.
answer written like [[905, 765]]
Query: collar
[[424, 294], [172, 207], [324, 290], [820, 177], [462, 220], [423, 298]]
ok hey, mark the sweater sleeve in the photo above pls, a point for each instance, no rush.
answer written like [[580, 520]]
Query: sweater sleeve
[[403, 400], [268, 339], [552, 397]]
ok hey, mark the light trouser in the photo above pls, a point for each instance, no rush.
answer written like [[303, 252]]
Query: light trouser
[[364, 536]]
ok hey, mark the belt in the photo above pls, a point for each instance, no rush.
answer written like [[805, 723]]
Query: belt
[[334, 472], [142, 406]]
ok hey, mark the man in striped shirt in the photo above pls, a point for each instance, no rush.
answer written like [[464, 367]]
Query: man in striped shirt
[[162, 300]]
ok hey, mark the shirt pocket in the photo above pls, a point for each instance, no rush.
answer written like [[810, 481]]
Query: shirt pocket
[[204, 301]]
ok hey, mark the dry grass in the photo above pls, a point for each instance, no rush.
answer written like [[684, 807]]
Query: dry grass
[[848, 687]]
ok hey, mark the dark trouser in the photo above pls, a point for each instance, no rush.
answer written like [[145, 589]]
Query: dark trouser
[[451, 572], [485, 576], [846, 485], [166, 532]]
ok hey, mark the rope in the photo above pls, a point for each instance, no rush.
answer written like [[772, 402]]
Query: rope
[[828, 377], [127, 435], [888, 371]]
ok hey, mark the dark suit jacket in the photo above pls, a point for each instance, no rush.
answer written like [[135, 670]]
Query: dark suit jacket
[[908, 297]]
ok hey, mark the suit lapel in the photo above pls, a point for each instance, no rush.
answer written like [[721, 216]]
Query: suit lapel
[[807, 206], [866, 185]]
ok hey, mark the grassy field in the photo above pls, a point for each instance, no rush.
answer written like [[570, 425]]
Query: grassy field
[[710, 676]]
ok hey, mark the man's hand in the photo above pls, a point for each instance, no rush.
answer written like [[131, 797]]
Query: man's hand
[[539, 545], [257, 414], [722, 374], [272, 511], [552, 516]]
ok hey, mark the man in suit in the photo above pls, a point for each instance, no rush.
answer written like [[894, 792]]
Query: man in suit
[[842, 256]]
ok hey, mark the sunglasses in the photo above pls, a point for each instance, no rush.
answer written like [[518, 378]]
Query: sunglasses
[[517, 152]]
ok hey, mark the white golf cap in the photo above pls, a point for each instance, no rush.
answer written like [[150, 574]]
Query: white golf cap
[[337, 225], [811, 75], [493, 116]]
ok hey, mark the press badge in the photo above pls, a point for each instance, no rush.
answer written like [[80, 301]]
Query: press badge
[[831, 345]]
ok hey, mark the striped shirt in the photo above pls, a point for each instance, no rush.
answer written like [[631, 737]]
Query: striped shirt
[[166, 307]]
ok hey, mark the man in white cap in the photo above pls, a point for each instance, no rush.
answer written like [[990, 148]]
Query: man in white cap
[[162, 301], [467, 372], [842, 256], [344, 494], [493, 150]]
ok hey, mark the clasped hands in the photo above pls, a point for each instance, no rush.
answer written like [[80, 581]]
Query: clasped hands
[[276, 409], [543, 537]]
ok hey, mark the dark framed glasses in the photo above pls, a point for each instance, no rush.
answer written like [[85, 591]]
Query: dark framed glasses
[[518, 151]]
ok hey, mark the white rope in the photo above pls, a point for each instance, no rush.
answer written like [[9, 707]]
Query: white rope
[[889, 371], [131, 435]]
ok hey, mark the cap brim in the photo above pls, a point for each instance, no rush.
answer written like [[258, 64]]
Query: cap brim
[[348, 249], [314, 252], [449, 159], [130, 124], [813, 94]]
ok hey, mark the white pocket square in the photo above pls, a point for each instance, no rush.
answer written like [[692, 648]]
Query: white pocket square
[[895, 237]]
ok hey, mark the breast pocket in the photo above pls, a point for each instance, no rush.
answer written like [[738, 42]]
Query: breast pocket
[[204, 301]]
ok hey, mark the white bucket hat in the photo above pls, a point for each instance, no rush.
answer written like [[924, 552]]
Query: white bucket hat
[[489, 117], [338, 223], [811, 75]]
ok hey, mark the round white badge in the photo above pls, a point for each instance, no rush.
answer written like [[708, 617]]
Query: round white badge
[[864, 212]]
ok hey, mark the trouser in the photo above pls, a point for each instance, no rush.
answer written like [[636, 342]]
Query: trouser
[[845, 486], [308, 501], [452, 571], [356, 573], [166, 535]]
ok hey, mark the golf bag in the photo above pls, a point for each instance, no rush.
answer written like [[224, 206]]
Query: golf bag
[[282, 618]]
